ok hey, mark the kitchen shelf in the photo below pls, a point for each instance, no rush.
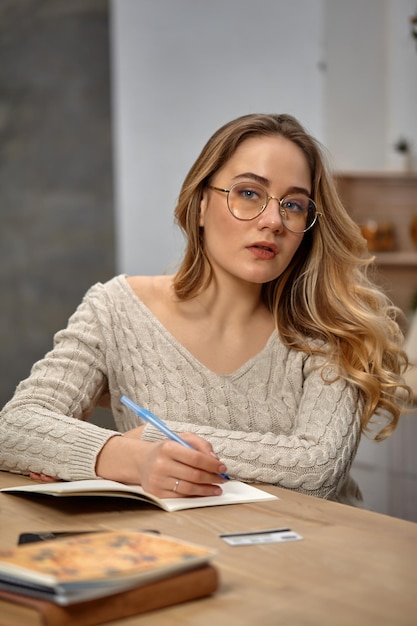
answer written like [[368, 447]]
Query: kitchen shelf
[[387, 198], [396, 258]]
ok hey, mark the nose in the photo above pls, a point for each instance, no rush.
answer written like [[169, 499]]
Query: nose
[[271, 215]]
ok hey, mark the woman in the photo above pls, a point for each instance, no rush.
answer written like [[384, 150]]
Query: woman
[[269, 350]]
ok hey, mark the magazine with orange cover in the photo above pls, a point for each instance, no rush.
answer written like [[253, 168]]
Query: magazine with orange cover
[[95, 564]]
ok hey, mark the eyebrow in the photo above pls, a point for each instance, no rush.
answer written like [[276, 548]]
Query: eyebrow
[[264, 181], [259, 179]]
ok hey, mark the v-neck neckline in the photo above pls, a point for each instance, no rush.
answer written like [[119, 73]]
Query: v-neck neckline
[[185, 353]]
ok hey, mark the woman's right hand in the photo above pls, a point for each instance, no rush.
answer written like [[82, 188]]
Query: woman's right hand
[[164, 468]]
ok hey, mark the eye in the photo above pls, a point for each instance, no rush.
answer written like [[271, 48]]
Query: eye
[[249, 192], [295, 204]]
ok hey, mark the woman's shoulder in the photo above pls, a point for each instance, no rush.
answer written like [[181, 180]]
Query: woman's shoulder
[[150, 289], [146, 288]]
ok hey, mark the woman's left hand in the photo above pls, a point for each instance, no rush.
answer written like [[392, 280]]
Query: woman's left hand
[[43, 477]]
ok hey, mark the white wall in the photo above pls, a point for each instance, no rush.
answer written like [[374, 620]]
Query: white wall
[[355, 104], [181, 68], [387, 471], [401, 83], [370, 92]]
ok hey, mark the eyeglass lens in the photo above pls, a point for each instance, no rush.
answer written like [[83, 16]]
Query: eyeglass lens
[[247, 200]]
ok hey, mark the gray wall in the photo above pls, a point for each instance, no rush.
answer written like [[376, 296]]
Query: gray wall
[[56, 191]]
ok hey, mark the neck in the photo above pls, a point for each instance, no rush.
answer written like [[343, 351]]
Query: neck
[[228, 302]]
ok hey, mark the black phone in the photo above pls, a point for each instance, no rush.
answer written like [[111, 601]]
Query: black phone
[[48, 535]]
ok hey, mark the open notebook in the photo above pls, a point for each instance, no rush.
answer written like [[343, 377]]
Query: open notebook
[[234, 492]]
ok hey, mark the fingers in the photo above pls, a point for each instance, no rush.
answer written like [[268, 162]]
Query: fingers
[[184, 489], [178, 471], [43, 477], [199, 466], [179, 488], [198, 443]]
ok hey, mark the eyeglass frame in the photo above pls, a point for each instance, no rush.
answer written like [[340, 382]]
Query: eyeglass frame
[[282, 210]]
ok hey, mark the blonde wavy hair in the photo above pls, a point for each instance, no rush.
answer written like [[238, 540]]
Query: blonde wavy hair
[[324, 302]]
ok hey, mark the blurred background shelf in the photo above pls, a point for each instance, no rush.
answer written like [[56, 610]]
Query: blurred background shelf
[[387, 198], [396, 258]]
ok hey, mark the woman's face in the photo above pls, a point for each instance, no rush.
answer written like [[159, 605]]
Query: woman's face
[[258, 250]]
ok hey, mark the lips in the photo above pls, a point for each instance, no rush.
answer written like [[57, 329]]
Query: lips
[[264, 249]]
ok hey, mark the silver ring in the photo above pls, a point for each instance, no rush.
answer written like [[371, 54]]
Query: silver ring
[[177, 482]]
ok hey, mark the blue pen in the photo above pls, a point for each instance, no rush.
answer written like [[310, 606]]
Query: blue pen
[[158, 423]]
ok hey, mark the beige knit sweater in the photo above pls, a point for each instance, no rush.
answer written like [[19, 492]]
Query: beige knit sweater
[[274, 420]]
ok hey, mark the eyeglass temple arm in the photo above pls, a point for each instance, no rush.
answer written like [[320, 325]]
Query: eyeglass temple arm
[[218, 188]]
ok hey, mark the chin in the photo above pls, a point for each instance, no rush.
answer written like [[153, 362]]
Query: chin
[[264, 278]]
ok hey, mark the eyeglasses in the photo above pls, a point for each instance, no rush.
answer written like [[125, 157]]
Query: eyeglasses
[[247, 200]]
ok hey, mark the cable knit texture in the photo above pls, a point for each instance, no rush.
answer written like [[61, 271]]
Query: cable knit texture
[[274, 420]]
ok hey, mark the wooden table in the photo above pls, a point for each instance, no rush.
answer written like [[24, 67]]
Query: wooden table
[[352, 568]]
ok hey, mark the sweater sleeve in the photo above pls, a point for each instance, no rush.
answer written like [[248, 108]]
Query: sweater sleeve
[[314, 458], [42, 428]]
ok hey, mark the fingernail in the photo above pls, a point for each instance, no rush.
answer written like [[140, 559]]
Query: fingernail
[[214, 454]]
